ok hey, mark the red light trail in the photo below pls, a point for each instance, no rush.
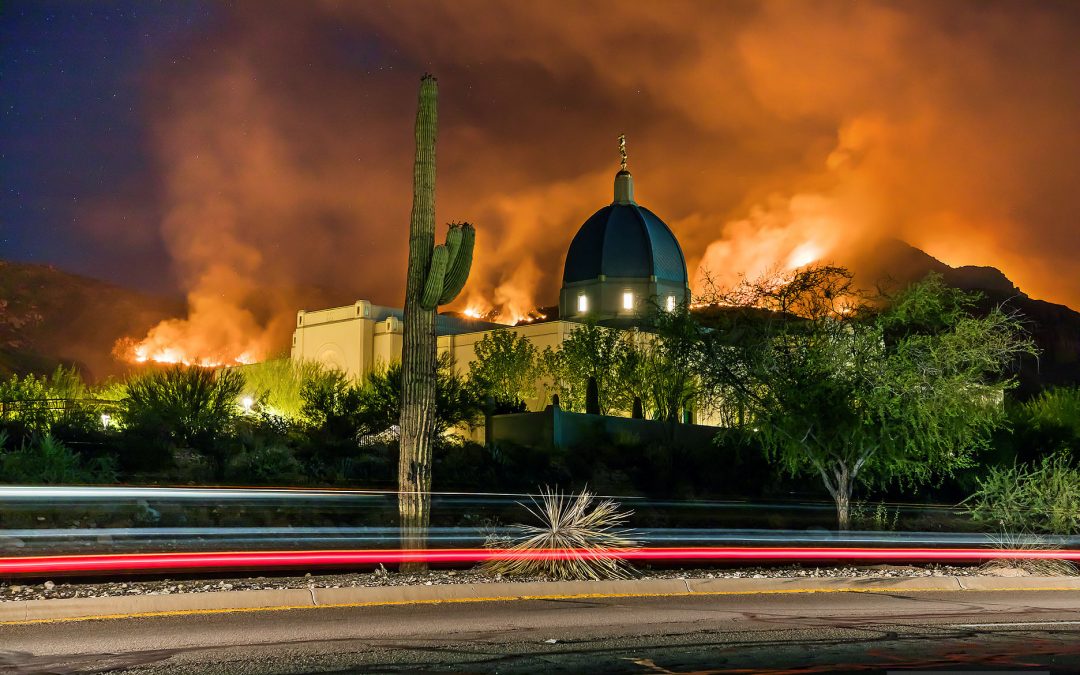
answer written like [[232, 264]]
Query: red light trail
[[200, 562]]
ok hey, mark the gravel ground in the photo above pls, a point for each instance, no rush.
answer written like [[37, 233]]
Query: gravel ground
[[14, 591]]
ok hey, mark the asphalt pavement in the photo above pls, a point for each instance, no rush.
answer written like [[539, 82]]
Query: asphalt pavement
[[789, 632]]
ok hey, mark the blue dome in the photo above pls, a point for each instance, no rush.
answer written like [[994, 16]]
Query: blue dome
[[624, 240]]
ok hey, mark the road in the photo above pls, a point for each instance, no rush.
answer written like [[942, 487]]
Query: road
[[784, 632]]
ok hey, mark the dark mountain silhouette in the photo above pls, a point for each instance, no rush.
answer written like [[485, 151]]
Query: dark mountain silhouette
[[1055, 328], [49, 317]]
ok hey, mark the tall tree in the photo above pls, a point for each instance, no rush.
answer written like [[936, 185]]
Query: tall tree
[[590, 352], [505, 368], [849, 390], [436, 275], [663, 365]]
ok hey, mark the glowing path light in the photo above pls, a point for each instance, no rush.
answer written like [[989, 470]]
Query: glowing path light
[[196, 562]]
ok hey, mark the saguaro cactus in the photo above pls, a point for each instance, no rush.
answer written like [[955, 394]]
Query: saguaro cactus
[[436, 275]]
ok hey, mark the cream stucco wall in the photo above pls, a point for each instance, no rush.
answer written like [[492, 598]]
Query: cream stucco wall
[[355, 340], [339, 337], [351, 340]]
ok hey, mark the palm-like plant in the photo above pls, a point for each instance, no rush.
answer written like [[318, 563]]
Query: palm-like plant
[[575, 539]]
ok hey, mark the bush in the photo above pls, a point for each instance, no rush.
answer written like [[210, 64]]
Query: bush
[[49, 461], [34, 405], [1056, 409], [177, 408], [1043, 497], [272, 465], [183, 406], [589, 534], [278, 384]]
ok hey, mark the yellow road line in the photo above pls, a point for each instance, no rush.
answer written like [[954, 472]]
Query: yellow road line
[[507, 598]]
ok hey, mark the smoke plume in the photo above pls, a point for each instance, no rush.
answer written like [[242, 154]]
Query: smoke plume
[[763, 133]]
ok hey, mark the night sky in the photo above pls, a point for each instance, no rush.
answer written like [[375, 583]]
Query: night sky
[[223, 149], [78, 175]]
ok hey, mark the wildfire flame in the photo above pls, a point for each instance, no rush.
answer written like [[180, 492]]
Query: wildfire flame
[[497, 314], [128, 350]]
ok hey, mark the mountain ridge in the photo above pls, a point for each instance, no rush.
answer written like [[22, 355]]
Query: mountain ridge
[[50, 317]]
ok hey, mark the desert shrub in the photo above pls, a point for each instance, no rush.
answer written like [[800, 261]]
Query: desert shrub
[[278, 383], [331, 416], [881, 517], [34, 405], [1056, 409], [179, 408], [1033, 563], [588, 535], [1041, 498], [183, 406], [269, 465], [47, 460], [341, 414], [455, 402]]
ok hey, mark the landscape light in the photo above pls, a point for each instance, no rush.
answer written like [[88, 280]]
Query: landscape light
[[105, 419], [246, 403]]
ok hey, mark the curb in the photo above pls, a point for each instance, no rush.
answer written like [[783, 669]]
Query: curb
[[81, 609]]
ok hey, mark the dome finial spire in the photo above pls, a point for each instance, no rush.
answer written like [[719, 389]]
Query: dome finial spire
[[624, 182]]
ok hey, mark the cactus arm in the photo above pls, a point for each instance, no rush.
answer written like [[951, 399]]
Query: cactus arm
[[435, 278], [453, 243], [458, 272]]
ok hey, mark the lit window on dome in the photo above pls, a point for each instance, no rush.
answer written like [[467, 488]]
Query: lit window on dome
[[671, 303], [627, 300], [582, 303]]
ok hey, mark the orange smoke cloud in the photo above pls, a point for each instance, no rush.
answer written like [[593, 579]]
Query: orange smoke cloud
[[764, 134]]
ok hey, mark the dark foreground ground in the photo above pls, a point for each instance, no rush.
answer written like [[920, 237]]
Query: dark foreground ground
[[739, 633]]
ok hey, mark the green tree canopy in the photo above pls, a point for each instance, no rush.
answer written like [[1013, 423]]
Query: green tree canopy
[[505, 368], [662, 366], [852, 390], [590, 351]]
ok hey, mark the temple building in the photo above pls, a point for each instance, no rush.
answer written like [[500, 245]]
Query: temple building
[[623, 264]]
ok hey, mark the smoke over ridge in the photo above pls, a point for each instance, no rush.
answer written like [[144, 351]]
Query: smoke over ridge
[[762, 133]]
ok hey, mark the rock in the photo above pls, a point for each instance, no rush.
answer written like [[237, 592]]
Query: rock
[[48, 585], [16, 589], [551, 641]]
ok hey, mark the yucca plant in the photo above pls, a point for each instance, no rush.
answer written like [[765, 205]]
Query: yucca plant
[[1035, 566], [583, 539]]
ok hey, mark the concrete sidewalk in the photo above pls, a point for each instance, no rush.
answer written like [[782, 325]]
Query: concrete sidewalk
[[74, 609]]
